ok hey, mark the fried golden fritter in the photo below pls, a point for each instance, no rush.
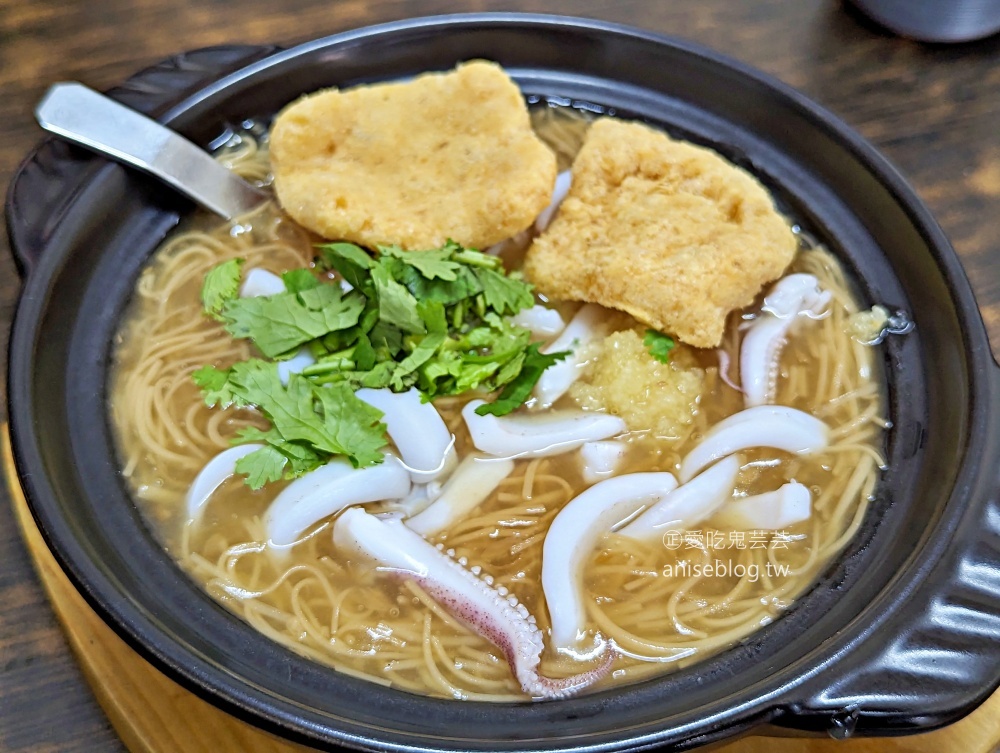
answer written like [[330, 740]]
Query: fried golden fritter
[[669, 232], [446, 155]]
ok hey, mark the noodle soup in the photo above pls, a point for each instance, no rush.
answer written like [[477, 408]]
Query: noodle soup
[[662, 603]]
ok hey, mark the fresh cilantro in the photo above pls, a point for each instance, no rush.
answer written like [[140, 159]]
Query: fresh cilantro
[[298, 280], [280, 459], [504, 294], [436, 319], [518, 390], [380, 376], [659, 345], [432, 315], [345, 425], [309, 421], [364, 354], [355, 425], [430, 264], [349, 261], [511, 369], [344, 338], [251, 434], [301, 458], [278, 323], [214, 383], [222, 284], [494, 343], [437, 375], [473, 258], [457, 291], [386, 339], [396, 305], [473, 375], [262, 466]]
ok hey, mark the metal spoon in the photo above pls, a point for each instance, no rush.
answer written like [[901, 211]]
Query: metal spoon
[[85, 117]]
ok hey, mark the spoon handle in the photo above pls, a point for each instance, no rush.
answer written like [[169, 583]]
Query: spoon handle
[[72, 111]]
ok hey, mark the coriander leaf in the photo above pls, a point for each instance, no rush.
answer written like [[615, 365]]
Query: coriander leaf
[[500, 351], [485, 357], [250, 434], [301, 459], [380, 376], [385, 337], [435, 319], [475, 258], [330, 364], [429, 264], [295, 458], [214, 383], [261, 466], [222, 284], [344, 425], [659, 345], [472, 375], [334, 341], [278, 323], [504, 295], [433, 316], [478, 337], [437, 376], [465, 285], [325, 297], [509, 370], [344, 338], [364, 354], [494, 345], [350, 261], [298, 280], [519, 390], [355, 425], [402, 379], [396, 305], [289, 408]]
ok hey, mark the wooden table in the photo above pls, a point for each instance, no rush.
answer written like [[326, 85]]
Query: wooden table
[[933, 110]]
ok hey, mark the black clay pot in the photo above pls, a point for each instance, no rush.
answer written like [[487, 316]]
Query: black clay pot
[[900, 634]]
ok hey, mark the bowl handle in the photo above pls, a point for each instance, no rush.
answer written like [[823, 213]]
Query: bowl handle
[[935, 646], [50, 176]]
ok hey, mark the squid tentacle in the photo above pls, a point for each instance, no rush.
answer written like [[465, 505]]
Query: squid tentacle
[[468, 594], [791, 299]]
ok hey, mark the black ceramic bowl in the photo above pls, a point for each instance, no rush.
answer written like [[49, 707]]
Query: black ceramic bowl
[[898, 635]]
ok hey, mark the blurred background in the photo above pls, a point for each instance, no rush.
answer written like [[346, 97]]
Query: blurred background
[[933, 109]]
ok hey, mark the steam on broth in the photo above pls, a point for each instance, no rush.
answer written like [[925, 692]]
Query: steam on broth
[[663, 603]]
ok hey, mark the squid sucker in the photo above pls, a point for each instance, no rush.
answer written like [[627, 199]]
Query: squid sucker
[[467, 594]]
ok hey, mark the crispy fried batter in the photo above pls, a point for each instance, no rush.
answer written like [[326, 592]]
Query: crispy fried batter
[[665, 230], [443, 156]]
